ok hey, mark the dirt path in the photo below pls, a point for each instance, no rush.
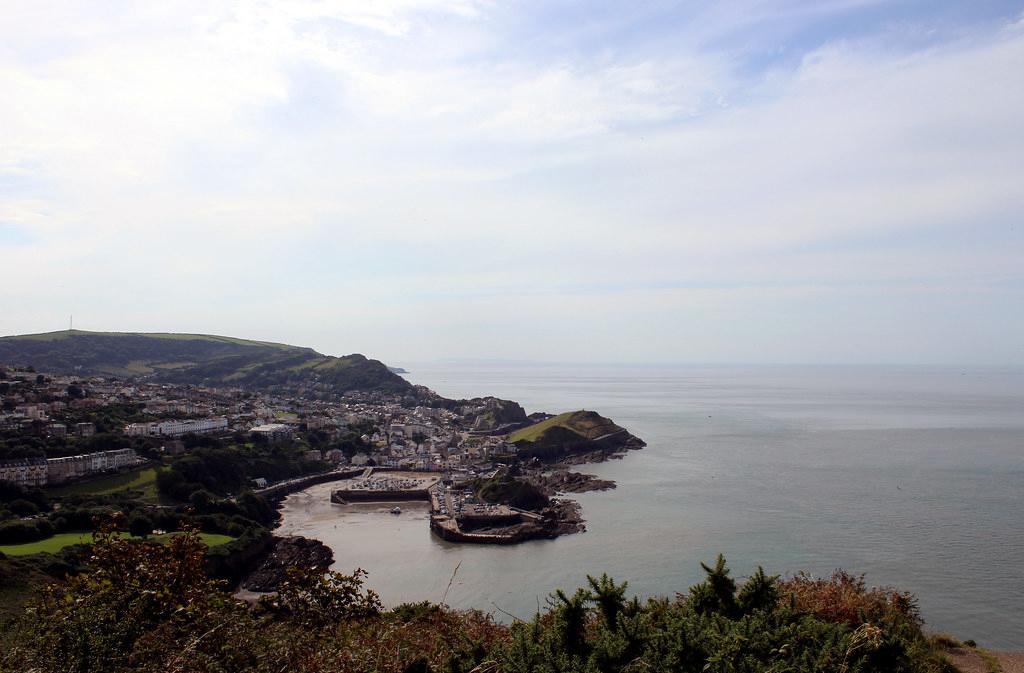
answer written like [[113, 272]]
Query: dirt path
[[969, 661]]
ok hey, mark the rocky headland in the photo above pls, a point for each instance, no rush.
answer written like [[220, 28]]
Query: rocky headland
[[287, 552]]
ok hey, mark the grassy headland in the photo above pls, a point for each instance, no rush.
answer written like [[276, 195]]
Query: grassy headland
[[199, 359], [571, 433], [586, 424]]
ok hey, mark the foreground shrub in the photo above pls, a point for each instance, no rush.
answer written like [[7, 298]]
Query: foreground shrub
[[140, 606], [846, 598]]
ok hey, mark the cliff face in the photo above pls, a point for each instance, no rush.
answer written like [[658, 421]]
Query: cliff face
[[485, 414], [498, 413], [199, 359]]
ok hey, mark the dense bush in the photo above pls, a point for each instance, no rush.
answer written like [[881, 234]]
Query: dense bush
[[21, 507], [16, 532], [149, 607], [226, 470], [10, 492]]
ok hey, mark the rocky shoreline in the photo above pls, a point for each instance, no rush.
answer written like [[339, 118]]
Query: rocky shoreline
[[287, 552], [567, 517], [615, 451], [562, 481]]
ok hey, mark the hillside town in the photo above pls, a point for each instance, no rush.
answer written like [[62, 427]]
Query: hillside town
[[393, 433]]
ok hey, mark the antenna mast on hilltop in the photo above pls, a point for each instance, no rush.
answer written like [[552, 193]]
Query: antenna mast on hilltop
[[71, 323]]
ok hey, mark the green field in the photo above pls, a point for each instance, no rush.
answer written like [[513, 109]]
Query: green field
[[54, 544], [141, 479]]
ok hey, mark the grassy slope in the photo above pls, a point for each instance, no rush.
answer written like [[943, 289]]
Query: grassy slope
[[54, 544], [20, 578], [141, 479], [65, 334], [197, 358], [532, 433], [586, 424]]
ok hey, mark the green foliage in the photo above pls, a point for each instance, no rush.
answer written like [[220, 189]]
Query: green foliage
[[227, 470], [11, 492], [714, 628], [411, 612], [142, 607], [94, 621], [108, 418], [140, 525], [760, 592], [19, 531], [610, 598], [717, 593], [21, 507], [314, 598]]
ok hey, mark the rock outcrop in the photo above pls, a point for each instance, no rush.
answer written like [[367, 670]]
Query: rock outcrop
[[288, 552]]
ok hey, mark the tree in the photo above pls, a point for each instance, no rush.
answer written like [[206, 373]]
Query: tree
[[610, 598], [760, 592], [140, 525], [316, 598], [21, 507], [571, 620], [717, 593], [201, 500], [94, 620]]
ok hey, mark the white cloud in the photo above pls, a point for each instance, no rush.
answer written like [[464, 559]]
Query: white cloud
[[307, 155]]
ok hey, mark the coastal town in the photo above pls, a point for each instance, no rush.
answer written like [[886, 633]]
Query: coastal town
[[417, 438], [489, 471]]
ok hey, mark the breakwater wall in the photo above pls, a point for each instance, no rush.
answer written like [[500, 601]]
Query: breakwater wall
[[458, 535], [343, 496], [278, 491]]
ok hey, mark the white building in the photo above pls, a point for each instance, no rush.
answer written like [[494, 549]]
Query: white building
[[177, 428], [72, 467]]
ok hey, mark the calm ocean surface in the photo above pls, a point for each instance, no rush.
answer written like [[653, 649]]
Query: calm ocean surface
[[914, 476]]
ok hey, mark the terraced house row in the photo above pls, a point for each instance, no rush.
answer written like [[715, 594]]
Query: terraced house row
[[44, 471]]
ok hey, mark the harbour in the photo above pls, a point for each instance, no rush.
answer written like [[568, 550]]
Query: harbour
[[793, 469]]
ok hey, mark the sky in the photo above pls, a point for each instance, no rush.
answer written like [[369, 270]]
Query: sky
[[838, 181]]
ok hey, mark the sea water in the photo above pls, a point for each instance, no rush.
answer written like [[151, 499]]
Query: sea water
[[910, 475]]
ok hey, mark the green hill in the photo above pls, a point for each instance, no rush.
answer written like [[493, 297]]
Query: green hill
[[198, 358], [574, 432]]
